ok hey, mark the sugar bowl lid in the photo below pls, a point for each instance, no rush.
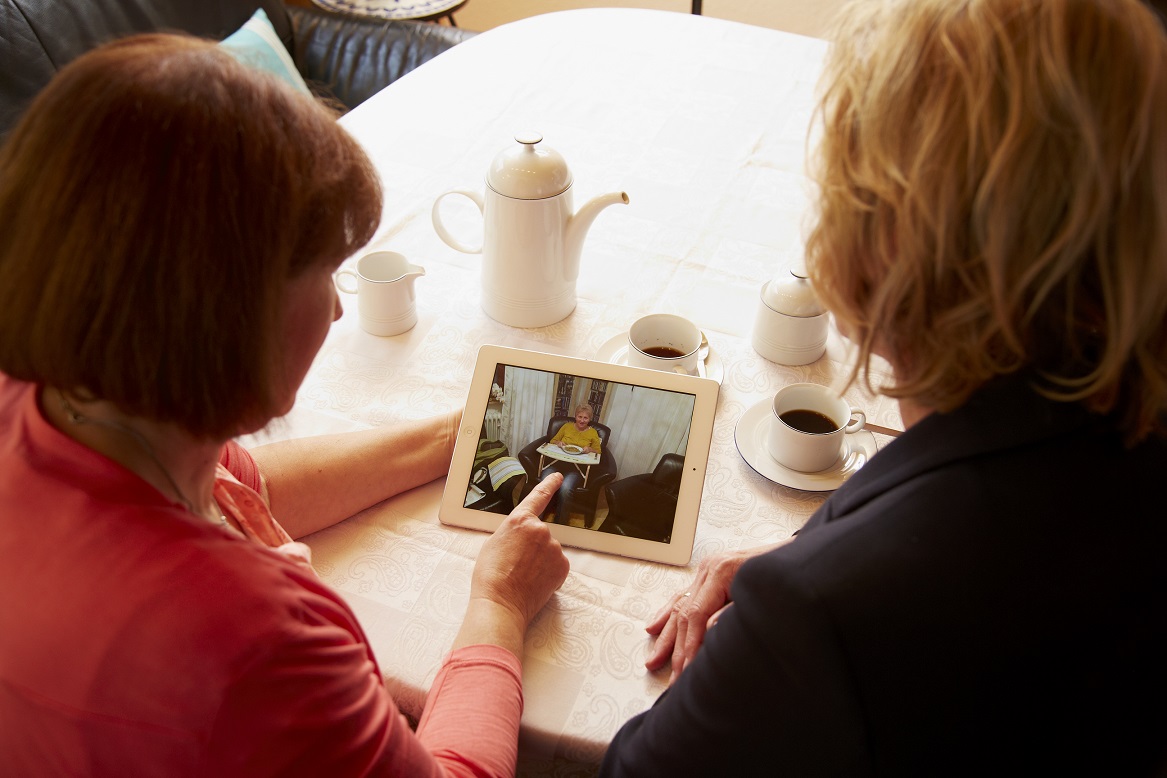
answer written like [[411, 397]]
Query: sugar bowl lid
[[791, 293], [528, 170]]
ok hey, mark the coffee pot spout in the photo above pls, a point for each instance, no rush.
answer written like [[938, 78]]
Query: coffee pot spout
[[577, 229]]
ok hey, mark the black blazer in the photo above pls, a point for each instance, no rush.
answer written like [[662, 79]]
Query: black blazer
[[987, 595]]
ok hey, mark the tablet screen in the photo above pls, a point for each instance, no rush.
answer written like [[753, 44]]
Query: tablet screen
[[632, 446], [591, 430]]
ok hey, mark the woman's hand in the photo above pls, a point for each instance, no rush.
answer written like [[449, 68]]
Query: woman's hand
[[518, 569], [680, 627]]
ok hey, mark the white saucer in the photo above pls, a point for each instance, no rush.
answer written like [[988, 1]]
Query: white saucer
[[615, 350], [750, 437]]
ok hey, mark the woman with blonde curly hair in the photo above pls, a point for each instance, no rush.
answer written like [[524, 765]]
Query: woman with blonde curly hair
[[989, 591]]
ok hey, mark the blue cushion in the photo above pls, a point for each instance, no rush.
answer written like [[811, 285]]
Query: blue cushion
[[257, 45]]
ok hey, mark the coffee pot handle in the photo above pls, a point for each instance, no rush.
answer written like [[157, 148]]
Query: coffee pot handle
[[440, 228]]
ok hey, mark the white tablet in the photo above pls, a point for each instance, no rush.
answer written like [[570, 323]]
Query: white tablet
[[632, 445]]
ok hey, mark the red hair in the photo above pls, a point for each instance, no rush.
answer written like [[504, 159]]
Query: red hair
[[155, 200]]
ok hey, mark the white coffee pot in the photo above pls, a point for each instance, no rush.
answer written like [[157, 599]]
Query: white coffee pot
[[531, 237]]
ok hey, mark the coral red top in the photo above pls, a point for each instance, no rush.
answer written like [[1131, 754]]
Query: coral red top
[[136, 638]]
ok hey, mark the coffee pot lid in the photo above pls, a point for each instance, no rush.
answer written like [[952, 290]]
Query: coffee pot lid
[[791, 293], [528, 170]]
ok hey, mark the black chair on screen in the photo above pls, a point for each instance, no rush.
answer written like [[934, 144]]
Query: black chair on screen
[[644, 505]]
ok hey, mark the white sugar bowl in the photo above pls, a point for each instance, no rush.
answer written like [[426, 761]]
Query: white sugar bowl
[[791, 324]]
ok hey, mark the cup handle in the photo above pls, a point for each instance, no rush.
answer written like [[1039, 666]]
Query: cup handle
[[856, 422], [344, 275], [436, 218]]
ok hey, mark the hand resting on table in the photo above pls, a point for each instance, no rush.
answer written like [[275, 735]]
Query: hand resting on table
[[681, 625]]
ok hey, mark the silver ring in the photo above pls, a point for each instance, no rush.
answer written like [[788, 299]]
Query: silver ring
[[686, 594]]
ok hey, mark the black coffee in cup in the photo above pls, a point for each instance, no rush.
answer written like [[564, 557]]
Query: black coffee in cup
[[663, 352], [810, 422]]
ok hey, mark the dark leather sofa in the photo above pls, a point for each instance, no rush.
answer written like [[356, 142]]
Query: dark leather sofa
[[346, 58]]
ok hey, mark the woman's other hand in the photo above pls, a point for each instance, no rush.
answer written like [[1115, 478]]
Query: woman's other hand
[[680, 627], [312, 483], [518, 569]]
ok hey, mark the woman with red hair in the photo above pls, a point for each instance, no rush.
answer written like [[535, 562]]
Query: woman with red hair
[[170, 221]]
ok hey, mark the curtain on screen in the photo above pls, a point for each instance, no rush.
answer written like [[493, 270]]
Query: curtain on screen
[[530, 398], [646, 424]]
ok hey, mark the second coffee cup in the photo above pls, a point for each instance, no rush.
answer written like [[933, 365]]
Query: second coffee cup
[[662, 341], [808, 426], [383, 284]]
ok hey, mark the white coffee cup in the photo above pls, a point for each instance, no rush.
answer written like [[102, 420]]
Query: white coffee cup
[[813, 442], [383, 284], [662, 341]]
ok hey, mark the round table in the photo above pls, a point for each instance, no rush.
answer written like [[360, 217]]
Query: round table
[[421, 10]]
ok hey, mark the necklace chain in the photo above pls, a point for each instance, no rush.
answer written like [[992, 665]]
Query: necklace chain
[[76, 417]]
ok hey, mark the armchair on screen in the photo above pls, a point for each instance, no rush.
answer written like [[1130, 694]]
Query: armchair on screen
[[585, 498], [644, 505]]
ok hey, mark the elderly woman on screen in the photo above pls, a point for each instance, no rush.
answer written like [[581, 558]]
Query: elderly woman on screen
[[989, 592], [577, 437], [169, 225]]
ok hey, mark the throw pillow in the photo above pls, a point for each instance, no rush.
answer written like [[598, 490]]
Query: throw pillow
[[257, 45]]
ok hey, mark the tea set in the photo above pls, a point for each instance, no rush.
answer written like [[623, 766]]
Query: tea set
[[383, 283], [755, 436], [532, 239], [791, 325], [617, 349]]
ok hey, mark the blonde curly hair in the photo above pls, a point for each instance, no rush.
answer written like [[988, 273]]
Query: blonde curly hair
[[993, 198]]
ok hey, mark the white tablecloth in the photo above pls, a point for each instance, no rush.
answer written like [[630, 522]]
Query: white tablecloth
[[704, 124]]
